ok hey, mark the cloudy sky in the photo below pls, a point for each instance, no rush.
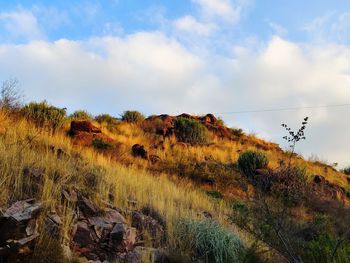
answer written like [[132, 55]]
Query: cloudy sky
[[196, 56]]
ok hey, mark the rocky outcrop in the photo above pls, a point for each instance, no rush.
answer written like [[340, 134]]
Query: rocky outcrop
[[84, 133], [104, 234], [164, 124], [83, 126], [324, 190], [18, 228], [96, 234]]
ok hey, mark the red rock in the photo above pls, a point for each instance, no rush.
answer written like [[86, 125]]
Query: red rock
[[83, 234], [83, 126]]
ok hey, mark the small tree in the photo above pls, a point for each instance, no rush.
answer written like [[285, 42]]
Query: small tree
[[10, 96]]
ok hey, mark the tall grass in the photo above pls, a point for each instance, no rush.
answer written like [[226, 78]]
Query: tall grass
[[100, 178]]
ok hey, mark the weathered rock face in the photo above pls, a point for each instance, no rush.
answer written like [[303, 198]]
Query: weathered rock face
[[83, 126], [18, 228], [84, 133]]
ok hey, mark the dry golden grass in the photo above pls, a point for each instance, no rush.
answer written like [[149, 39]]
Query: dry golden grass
[[99, 177]]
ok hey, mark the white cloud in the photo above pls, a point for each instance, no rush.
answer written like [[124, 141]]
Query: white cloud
[[20, 24], [190, 24], [155, 73], [277, 29], [227, 10], [331, 27]]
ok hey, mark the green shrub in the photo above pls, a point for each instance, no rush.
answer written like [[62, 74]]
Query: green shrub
[[215, 194], [237, 132], [249, 161], [208, 241], [81, 115], [105, 118], [321, 250], [132, 117], [44, 115], [190, 131], [346, 170], [100, 144]]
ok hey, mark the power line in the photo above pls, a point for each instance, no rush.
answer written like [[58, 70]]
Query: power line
[[284, 109]]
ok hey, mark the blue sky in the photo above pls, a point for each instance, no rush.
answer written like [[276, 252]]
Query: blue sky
[[195, 56], [260, 19]]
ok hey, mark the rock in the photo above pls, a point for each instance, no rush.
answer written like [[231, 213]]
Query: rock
[[113, 216], [23, 210], [52, 225], [83, 235], [154, 159], [18, 228], [318, 179], [123, 237], [146, 225], [139, 151], [83, 126], [86, 206], [209, 118]]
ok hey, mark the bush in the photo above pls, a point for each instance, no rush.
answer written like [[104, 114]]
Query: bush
[[132, 116], [81, 115], [215, 194], [249, 161], [105, 118], [101, 145], [208, 241], [190, 131], [44, 115], [237, 132], [321, 249], [346, 170]]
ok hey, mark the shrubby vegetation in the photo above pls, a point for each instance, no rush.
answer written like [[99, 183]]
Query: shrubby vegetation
[[237, 132], [105, 118], [208, 241], [250, 161], [81, 115], [100, 144], [43, 115], [132, 116], [191, 131], [346, 170]]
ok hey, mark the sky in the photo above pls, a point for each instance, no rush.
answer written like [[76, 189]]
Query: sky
[[195, 56]]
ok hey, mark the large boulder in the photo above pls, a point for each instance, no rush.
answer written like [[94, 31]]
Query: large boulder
[[83, 126], [209, 119], [139, 151], [18, 228]]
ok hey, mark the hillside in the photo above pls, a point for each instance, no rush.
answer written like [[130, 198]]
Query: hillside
[[161, 189]]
